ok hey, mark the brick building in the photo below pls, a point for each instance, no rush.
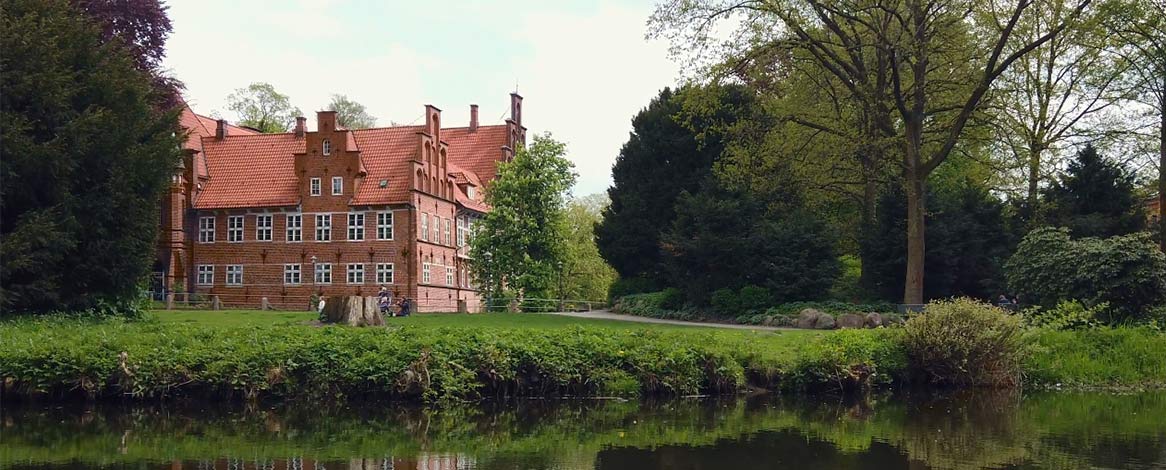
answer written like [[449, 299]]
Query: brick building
[[330, 212]]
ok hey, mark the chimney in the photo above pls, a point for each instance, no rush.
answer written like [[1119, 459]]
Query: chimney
[[473, 117], [300, 122], [221, 130]]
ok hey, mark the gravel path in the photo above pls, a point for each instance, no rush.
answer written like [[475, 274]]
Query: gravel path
[[607, 315]]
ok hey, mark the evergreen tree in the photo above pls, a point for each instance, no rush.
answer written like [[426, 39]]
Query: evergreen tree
[[520, 245], [669, 152], [86, 155], [968, 242], [728, 239], [1095, 198]]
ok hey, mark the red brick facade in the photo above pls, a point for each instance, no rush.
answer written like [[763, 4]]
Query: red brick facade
[[335, 211]]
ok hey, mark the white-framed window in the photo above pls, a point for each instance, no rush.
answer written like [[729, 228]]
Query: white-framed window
[[384, 273], [425, 226], [425, 272], [470, 192], [314, 186], [206, 274], [206, 229], [326, 147], [355, 226], [323, 273], [356, 273], [234, 228], [449, 275], [337, 185], [461, 231], [436, 229], [447, 234], [295, 228], [263, 227], [291, 274], [234, 275], [323, 227], [384, 225]]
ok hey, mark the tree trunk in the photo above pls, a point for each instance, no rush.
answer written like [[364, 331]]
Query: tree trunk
[[916, 248], [870, 194], [1162, 171], [1034, 154]]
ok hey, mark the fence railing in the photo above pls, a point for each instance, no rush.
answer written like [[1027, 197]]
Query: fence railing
[[224, 301], [542, 305]]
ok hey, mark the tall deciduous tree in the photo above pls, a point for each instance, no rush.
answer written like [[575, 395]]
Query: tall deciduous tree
[[942, 57], [1139, 30], [350, 114], [519, 245], [142, 26], [585, 274], [86, 155], [260, 107], [1063, 91], [1095, 198]]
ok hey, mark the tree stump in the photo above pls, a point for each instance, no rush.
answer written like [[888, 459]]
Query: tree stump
[[352, 311]]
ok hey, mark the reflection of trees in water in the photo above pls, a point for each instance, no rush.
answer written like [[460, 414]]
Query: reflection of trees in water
[[971, 429]]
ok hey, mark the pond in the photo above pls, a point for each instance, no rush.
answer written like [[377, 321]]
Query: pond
[[966, 430]]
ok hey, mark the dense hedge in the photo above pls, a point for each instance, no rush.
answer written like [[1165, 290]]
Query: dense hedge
[[661, 305], [73, 357], [61, 358]]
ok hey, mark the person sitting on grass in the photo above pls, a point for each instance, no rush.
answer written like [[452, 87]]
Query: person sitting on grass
[[406, 304]]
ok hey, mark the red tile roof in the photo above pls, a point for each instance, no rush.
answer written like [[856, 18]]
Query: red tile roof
[[477, 151], [198, 127], [250, 171], [385, 153], [258, 170]]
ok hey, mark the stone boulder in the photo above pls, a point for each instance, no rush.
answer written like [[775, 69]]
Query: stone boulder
[[873, 320], [352, 311], [807, 317], [825, 322], [850, 320]]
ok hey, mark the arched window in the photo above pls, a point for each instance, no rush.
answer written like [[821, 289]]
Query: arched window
[[326, 147]]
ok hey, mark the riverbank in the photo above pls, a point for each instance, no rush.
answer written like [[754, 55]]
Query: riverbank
[[61, 358]]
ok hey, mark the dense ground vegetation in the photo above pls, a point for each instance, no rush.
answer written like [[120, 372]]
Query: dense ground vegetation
[[61, 357]]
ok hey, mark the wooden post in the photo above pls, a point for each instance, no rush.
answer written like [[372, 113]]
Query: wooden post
[[216, 304], [170, 301], [264, 304]]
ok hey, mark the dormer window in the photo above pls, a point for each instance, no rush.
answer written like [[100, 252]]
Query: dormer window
[[327, 147], [470, 191]]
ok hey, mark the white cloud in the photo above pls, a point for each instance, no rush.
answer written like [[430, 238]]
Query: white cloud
[[587, 77], [584, 73]]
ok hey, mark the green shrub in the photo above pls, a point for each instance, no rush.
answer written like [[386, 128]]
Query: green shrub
[[725, 302], [964, 342], [754, 299], [1067, 315], [833, 308], [653, 305], [631, 285], [672, 299], [1127, 272]]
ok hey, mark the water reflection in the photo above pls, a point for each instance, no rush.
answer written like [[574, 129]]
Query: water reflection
[[961, 431]]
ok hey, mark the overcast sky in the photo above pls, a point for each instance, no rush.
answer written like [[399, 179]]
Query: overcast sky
[[583, 67]]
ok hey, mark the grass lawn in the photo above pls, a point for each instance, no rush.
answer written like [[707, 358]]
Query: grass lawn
[[244, 318]]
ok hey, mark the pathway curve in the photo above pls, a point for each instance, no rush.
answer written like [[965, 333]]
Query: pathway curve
[[608, 315]]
